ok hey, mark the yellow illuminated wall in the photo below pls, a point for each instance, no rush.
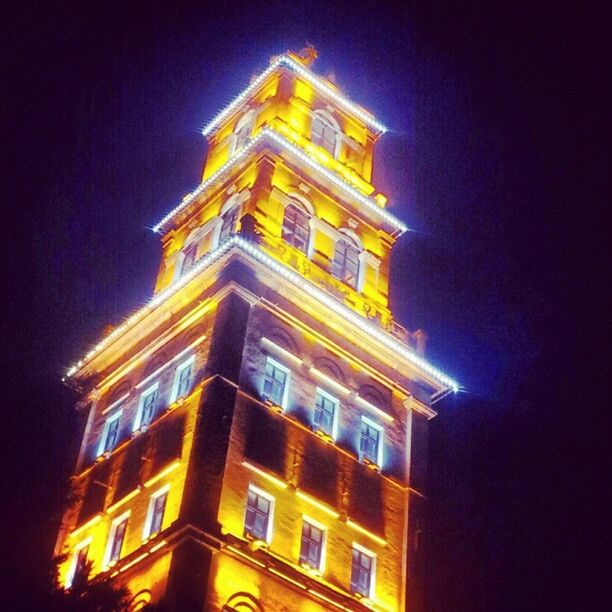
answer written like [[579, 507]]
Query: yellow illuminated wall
[[320, 352], [286, 103], [292, 501], [160, 367]]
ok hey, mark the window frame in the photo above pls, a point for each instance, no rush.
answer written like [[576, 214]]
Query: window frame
[[335, 417], [323, 552], [102, 448], [328, 123], [138, 421], [350, 245], [188, 263], [379, 447], [115, 524], [147, 532], [243, 130], [232, 211], [71, 575], [270, 517], [283, 368], [372, 574], [187, 363], [294, 204]]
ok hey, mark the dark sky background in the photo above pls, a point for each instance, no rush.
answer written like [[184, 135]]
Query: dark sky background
[[494, 158]]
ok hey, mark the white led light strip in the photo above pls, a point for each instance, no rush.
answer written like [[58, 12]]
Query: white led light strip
[[155, 301], [307, 75], [345, 312], [296, 279], [189, 198], [334, 178], [272, 135]]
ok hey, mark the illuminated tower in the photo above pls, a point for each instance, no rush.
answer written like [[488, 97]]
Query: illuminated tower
[[256, 433]]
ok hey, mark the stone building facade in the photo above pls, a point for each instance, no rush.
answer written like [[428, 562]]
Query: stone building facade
[[256, 434]]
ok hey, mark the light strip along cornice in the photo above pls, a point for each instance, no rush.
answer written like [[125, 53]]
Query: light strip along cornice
[[270, 135], [306, 74], [153, 302], [259, 255]]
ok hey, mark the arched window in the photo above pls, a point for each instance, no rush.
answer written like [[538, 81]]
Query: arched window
[[345, 265], [325, 132], [243, 129], [296, 227], [228, 225]]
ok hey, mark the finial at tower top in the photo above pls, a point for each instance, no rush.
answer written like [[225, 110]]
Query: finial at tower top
[[308, 54]]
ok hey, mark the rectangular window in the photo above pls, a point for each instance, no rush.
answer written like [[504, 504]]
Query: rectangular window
[[115, 540], [110, 433], [189, 258], [182, 380], [79, 564], [146, 407], [370, 445], [326, 413], [312, 546], [155, 515], [362, 571], [276, 383], [259, 510]]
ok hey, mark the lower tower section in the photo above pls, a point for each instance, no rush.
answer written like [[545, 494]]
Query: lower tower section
[[277, 471]]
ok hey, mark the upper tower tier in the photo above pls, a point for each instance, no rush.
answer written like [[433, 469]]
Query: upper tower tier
[[290, 162], [286, 188], [307, 110]]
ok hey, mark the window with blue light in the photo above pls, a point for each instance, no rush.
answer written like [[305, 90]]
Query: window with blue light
[[324, 133], [326, 413], [276, 383], [146, 407], [117, 536], [110, 433], [243, 130], [182, 380], [370, 442], [258, 518], [345, 264], [296, 227], [312, 543], [155, 517], [79, 564], [228, 225], [189, 257], [362, 572]]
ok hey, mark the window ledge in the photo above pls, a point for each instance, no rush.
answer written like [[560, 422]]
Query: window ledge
[[324, 436], [275, 407], [140, 430], [371, 465], [256, 543], [103, 456], [310, 570]]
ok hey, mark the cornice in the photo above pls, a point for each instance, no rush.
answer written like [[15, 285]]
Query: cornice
[[348, 316], [270, 136], [317, 82]]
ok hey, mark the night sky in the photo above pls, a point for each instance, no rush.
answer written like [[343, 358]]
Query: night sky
[[494, 159]]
